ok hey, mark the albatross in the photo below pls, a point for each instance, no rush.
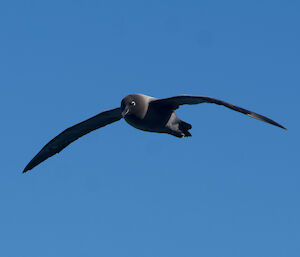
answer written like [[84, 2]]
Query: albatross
[[142, 112]]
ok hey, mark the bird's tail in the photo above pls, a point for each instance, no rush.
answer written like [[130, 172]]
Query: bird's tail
[[185, 127]]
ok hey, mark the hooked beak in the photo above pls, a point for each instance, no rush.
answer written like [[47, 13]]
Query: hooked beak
[[126, 110]]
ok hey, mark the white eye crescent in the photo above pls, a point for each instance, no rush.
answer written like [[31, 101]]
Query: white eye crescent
[[133, 103]]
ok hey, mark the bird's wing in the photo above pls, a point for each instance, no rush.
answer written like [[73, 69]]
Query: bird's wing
[[73, 133], [175, 101]]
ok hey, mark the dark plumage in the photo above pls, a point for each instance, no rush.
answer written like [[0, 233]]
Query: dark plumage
[[142, 112]]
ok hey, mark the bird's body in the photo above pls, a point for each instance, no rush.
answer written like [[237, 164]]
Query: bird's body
[[142, 112], [153, 117]]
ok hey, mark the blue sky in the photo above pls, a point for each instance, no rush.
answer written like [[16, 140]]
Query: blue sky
[[230, 190]]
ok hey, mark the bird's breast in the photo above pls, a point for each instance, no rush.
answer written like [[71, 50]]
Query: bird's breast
[[154, 120]]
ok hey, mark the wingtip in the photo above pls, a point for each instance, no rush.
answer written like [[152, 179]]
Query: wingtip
[[280, 126], [25, 170]]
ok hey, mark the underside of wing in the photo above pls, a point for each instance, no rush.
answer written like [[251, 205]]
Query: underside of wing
[[73, 133], [176, 101]]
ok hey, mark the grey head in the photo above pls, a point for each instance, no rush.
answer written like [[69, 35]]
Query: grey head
[[135, 105]]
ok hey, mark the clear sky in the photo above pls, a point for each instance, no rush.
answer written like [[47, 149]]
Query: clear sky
[[231, 190]]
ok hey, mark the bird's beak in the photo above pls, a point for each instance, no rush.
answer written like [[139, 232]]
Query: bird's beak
[[126, 110]]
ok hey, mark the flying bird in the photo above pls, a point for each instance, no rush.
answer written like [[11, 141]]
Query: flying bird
[[142, 112]]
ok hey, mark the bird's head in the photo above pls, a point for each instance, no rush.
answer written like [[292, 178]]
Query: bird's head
[[128, 105]]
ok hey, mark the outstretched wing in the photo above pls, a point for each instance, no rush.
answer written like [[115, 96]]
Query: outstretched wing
[[175, 101], [73, 133]]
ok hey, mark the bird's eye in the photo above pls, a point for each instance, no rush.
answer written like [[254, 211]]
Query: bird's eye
[[132, 103]]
